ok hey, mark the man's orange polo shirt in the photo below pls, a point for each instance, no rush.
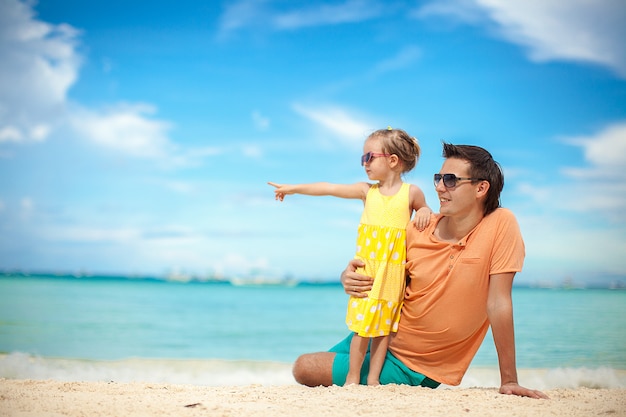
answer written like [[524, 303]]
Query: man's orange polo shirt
[[444, 317]]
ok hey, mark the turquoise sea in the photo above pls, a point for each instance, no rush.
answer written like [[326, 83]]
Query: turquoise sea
[[217, 333]]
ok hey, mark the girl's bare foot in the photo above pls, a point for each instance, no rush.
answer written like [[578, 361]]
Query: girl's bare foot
[[352, 381]]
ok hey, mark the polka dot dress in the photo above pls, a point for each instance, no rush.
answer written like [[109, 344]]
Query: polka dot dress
[[381, 244]]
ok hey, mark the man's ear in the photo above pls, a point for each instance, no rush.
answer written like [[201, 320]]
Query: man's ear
[[482, 188]]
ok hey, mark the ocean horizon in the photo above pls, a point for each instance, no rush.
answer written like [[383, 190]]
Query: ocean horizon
[[262, 277], [99, 328]]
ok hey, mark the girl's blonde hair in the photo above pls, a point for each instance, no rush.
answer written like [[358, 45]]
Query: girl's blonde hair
[[398, 142]]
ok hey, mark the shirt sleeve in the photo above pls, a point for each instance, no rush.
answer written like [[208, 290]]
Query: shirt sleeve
[[509, 250]]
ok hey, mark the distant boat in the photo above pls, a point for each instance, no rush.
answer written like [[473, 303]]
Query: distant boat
[[263, 281], [177, 276]]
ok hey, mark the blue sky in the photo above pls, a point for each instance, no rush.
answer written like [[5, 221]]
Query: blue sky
[[138, 137]]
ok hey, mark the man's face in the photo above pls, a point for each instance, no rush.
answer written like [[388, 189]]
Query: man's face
[[463, 197]]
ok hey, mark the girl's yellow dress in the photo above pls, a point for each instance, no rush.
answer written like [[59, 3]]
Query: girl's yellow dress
[[381, 244]]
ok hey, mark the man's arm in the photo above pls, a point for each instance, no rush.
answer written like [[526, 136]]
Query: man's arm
[[500, 312]]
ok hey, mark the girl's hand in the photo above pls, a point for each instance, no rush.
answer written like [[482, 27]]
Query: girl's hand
[[422, 218], [355, 284], [279, 194]]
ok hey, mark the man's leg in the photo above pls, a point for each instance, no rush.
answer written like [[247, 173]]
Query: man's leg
[[314, 369]]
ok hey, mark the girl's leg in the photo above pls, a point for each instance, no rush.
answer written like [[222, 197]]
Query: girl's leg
[[378, 353], [358, 349]]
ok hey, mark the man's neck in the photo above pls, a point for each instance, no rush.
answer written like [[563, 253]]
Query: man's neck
[[454, 228]]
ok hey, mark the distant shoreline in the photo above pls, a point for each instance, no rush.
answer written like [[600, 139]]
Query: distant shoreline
[[616, 284]]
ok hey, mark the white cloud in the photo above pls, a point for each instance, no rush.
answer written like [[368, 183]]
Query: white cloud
[[39, 65], [91, 234], [587, 250], [252, 151], [585, 207], [348, 128], [260, 122], [259, 13], [10, 134], [401, 60], [125, 129], [574, 30], [328, 14], [606, 150], [180, 187], [240, 14], [26, 208], [40, 132], [462, 10], [601, 184], [596, 189], [204, 151], [131, 130]]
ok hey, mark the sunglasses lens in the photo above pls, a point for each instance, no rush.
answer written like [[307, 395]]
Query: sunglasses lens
[[366, 158], [449, 180]]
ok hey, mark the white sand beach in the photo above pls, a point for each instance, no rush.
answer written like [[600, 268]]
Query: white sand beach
[[26, 398]]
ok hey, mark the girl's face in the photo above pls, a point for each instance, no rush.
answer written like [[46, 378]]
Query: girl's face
[[375, 164]]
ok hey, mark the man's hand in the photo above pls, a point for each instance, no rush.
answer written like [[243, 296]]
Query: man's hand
[[355, 284], [513, 388]]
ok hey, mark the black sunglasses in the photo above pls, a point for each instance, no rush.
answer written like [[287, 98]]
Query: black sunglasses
[[451, 180]]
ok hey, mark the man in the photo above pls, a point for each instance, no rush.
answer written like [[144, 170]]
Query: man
[[460, 273]]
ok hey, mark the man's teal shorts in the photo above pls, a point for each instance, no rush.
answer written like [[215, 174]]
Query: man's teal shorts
[[393, 372]]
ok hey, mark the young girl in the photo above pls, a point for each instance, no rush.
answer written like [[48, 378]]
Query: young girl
[[389, 204]]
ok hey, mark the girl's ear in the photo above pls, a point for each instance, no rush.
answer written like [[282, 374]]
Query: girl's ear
[[393, 160]]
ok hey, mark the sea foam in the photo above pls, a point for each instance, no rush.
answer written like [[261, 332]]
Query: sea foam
[[213, 372], [172, 371]]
